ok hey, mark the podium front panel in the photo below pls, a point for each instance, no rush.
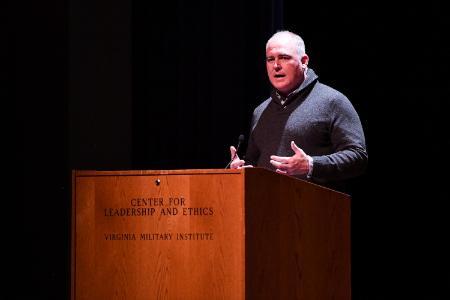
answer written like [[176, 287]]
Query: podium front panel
[[144, 235]]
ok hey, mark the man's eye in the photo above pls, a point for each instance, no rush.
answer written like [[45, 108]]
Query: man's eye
[[270, 59], [285, 57]]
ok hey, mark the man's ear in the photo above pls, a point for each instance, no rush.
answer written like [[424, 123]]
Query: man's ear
[[304, 60]]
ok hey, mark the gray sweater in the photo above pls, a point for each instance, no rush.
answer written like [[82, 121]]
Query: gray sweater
[[321, 121]]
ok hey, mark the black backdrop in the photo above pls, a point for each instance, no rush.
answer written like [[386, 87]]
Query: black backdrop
[[128, 85]]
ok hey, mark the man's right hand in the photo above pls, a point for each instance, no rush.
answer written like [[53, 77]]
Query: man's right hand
[[237, 163]]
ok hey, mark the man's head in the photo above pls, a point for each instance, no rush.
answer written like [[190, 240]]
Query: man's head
[[286, 61]]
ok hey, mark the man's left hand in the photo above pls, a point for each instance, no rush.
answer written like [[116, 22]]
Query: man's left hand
[[298, 164]]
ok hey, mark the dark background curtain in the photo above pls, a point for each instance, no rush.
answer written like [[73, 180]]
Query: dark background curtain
[[128, 85]]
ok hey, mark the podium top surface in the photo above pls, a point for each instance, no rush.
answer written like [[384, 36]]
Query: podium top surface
[[243, 171], [155, 172]]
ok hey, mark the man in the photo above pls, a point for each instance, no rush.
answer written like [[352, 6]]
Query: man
[[305, 129]]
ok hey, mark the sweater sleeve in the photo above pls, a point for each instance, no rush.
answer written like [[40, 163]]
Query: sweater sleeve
[[349, 156]]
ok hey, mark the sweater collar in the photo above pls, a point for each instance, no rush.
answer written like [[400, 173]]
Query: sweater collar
[[310, 78]]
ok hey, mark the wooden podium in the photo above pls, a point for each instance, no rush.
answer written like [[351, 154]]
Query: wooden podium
[[207, 234]]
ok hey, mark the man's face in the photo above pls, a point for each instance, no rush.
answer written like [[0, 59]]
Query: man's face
[[283, 65]]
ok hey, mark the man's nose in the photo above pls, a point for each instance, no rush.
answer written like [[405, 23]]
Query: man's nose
[[276, 64]]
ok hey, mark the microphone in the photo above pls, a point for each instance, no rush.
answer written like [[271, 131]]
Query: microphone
[[240, 140]]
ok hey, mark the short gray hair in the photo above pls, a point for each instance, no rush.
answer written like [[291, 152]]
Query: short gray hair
[[296, 39]]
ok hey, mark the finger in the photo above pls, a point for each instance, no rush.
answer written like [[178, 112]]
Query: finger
[[281, 159], [246, 166], [297, 149], [280, 171], [237, 163], [233, 153], [278, 165]]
